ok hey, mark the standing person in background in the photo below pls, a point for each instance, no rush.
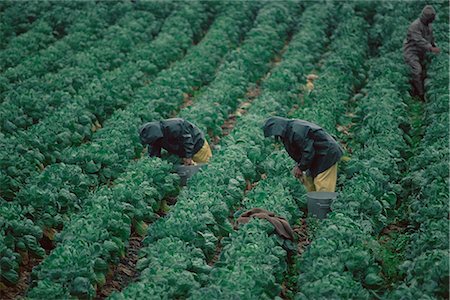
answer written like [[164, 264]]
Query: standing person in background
[[314, 150], [178, 137], [419, 40]]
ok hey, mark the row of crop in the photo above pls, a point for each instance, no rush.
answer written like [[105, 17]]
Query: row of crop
[[171, 244], [37, 195], [373, 185], [198, 261], [240, 72], [18, 18], [369, 197], [100, 148], [49, 185], [174, 260], [98, 236], [89, 36], [383, 137], [117, 143], [178, 247], [13, 248], [426, 266], [373, 189], [31, 100], [23, 227], [228, 23], [255, 253], [54, 20], [50, 197], [338, 262], [342, 74], [28, 152], [89, 29]]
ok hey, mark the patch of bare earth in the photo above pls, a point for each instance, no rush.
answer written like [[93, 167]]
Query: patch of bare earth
[[302, 234], [19, 290], [125, 272]]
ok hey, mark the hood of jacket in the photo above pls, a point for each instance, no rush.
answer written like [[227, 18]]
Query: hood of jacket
[[150, 132], [428, 15], [275, 126]]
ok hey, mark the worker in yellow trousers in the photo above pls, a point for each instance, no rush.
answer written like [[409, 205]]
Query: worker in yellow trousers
[[314, 150], [177, 136]]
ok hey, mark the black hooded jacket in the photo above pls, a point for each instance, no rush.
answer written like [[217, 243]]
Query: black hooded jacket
[[176, 135], [308, 144]]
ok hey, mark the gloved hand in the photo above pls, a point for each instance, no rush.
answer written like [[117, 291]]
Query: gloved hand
[[435, 50], [297, 172], [188, 162]]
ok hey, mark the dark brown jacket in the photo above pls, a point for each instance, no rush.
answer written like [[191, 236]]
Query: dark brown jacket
[[419, 38]]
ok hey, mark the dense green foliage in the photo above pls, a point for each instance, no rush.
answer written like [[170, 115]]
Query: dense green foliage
[[78, 78]]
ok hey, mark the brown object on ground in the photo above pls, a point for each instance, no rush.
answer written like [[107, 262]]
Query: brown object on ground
[[281, 225]]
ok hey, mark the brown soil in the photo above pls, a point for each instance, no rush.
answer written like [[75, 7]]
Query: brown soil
[[303, 241], [302, 233], [284, 291], [395, 227], [344, 129], [295, 107], [187, 100], [216, 254], [229, 124], [125, 272], [20, 289], [252, 93], [251, 185]]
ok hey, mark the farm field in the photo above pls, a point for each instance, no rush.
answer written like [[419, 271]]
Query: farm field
[[86, 214]]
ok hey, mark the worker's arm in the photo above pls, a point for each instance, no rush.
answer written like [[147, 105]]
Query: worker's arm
[[307, 156], [433, 41], [435, 48], [416, 36], [307, 146], [188, 142], [154, 150]]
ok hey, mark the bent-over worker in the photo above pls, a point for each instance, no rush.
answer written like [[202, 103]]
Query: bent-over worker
[[177, 136], [314, 150]]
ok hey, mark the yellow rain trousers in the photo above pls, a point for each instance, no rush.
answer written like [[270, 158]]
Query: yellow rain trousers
[[324, 182], [204, 154]]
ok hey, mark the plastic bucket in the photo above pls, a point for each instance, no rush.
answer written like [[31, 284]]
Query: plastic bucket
[[319, 203], [186, 172]]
